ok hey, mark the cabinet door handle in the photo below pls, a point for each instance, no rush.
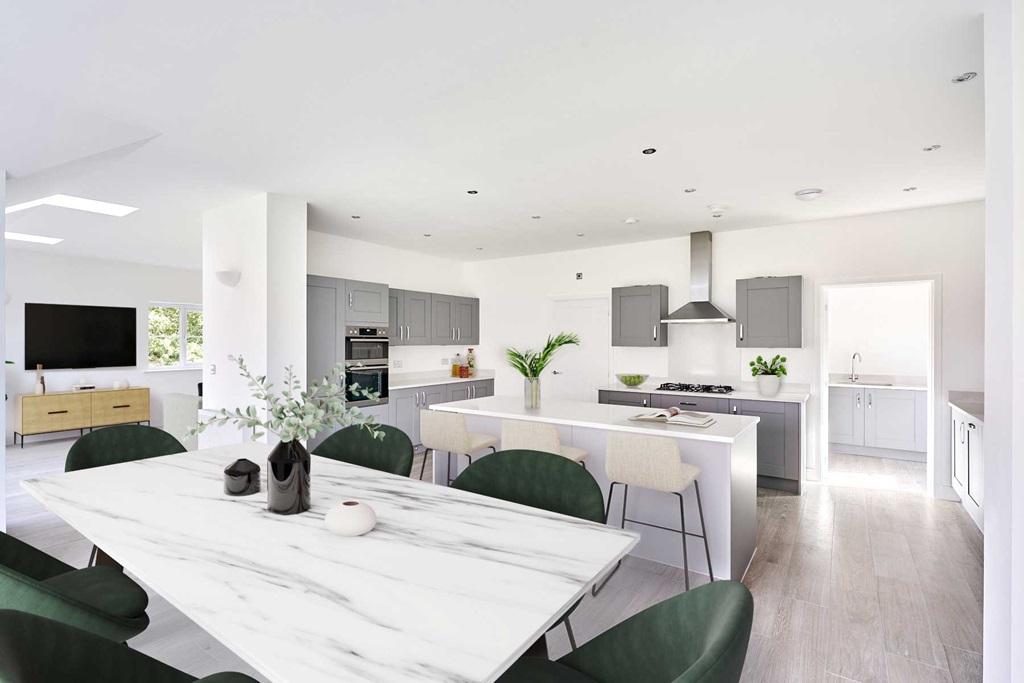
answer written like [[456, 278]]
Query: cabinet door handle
[[56, 412], [970, 425], [453, 334], [741, 331], [655, 333], [350, 299], [734, 409], [858, 400], [401, 332], [869, 400], [687, 403], [644, 401], [460, 334], [123, 405]]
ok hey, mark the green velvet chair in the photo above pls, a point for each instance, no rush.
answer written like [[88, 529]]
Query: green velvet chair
[[357, 446], [98, 599], [540, 480], [123, 443], [700, 636], [114, 445], [38, 650]]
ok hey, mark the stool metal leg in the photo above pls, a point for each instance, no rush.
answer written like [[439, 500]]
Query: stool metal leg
[[568, 632], [423, 467], [703, 530], [682, 525]]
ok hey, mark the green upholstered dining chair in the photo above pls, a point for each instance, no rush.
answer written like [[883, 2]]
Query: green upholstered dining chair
[[98, 599], [357, 446], [123, 443], [699, 636], [34, 649], [540, 480], [113, 445]]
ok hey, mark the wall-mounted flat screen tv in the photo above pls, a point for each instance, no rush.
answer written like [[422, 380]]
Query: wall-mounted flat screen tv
[[61, 336]]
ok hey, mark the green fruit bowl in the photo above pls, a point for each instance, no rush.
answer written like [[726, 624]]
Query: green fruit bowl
[[632, 380]]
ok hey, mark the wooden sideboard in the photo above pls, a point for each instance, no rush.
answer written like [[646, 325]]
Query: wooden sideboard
[[62, 411]]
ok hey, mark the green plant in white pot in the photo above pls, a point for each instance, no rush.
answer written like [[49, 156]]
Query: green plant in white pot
[[531, 363], [768, 374]]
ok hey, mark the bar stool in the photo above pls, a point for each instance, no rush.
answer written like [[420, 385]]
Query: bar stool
[[653, 462], [444, 431], [537, 436]]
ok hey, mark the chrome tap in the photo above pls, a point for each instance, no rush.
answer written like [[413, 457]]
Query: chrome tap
[[853, 372]]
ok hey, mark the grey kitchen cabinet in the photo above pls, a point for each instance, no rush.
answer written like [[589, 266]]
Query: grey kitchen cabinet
[[706, 404], [623, 398], [482, 388], [636, 315], [325, 325], [778, 442], [442, 319], [396, 317], [409, 317], [768, 312], [405, 405], [366, 303], [459, 391], [846, 415], [467, 321], [895, 418]]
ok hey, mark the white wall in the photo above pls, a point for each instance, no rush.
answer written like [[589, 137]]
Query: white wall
[[334, 256], [516, 293], [34, 277], [888, 325], [3, 355], [1004, 345]]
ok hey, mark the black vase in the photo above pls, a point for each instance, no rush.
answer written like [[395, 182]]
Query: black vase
[[288, 478]]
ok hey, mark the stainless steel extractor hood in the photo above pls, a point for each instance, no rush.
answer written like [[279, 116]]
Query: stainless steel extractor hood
[[700, 309]]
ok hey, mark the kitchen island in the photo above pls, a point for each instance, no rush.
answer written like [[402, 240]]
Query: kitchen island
[[725, 452]]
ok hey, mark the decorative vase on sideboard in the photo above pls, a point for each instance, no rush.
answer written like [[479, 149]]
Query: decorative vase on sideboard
[[531, 392], [768, 385], [288, 478]]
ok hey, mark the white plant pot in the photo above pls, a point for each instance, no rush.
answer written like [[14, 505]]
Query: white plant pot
[[768, 385], [350, 518]]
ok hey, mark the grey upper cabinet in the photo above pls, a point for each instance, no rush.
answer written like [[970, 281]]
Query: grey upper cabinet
[[846, 415], [366, 303], [325, 316], [467, 321], [417, 318], [396, 317], [636, 315], [896, 418], [442, 319], [768, 312], [778, 437]]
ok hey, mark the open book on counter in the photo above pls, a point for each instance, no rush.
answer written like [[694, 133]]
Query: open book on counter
[[676, 416]]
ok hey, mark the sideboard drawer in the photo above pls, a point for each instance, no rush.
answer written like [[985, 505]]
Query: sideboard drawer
[[118, 407], [55, 413]]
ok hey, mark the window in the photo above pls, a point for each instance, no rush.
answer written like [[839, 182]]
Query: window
[[175, 336]]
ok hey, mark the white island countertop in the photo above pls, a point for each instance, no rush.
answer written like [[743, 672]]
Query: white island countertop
[[599, 416]]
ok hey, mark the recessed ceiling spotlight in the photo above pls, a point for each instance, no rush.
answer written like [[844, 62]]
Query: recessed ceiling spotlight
[[690, 190], [67, 201], [650, 150], [965, 76], [579, 234], [911, 188], [809, 194], [471, 192], [38, 239], [357, 217], [717, 215], [426, 234], [479, 248], [931, 148], [631, 220], [536, 218]]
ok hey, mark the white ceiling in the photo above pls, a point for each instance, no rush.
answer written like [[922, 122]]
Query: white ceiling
[[391, 111]]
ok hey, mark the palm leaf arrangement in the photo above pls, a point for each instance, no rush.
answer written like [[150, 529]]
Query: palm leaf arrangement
[[530, 363]]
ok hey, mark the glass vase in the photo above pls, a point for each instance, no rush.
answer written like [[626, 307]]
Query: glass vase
[[531, 392]]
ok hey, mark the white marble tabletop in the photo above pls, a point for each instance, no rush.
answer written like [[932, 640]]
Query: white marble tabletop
[[599, 416], [449, 586]]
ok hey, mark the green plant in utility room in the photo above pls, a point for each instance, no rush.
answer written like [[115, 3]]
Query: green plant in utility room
[[768, 374]]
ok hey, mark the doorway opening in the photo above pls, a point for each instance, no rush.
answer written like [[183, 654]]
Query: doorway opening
[[878, 378]]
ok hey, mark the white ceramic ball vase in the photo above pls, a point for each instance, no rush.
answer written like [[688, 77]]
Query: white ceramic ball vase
[[350, 518], [768, 385]]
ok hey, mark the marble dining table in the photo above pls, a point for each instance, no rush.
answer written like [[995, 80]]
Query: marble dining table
[[449, 586]]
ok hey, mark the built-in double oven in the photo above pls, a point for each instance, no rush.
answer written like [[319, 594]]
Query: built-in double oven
[[366, 363]]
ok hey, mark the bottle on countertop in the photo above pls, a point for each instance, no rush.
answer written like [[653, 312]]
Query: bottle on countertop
[[471, 362], [456, 365]]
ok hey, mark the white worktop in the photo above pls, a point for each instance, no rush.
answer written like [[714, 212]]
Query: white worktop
[[880, 382], [971, 402], [726, 429], [745, 392], [412, 380], [449, 586]]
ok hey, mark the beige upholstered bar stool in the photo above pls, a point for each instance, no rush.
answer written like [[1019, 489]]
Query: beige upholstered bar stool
[[653, 462], [537, 436], [442, 431]]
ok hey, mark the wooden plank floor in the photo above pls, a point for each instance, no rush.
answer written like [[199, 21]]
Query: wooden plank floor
[[849, 583]]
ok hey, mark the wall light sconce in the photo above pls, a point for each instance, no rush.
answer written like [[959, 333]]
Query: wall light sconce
[[229, 277]]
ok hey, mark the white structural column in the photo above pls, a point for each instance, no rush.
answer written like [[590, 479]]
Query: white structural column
[[3, 353], [1004, 341], [254, 297]]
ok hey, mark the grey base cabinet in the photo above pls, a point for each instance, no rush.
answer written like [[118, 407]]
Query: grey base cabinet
[[779, 454], [405, 404]]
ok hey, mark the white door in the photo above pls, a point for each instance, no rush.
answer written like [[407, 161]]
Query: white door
[[577, 371]]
